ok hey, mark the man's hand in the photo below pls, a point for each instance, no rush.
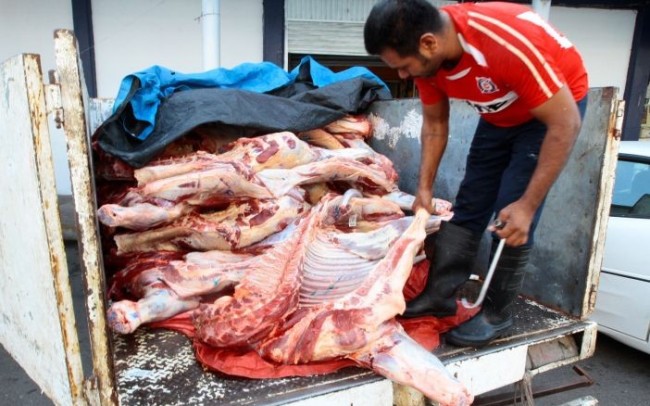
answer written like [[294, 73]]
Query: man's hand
[[517, 217], [423, 199]]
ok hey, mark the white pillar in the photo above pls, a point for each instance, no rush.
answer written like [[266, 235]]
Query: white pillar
[[211, 35], [543, 8]]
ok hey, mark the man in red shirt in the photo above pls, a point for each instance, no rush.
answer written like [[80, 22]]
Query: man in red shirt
[[529, 85]]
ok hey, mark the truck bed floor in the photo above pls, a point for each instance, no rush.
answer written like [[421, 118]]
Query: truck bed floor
[[158, 366]]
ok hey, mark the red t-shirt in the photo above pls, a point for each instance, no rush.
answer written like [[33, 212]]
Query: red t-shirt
[[513, 62]]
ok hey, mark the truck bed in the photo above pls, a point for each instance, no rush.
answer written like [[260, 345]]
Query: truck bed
[[158, 366], [562, 272]]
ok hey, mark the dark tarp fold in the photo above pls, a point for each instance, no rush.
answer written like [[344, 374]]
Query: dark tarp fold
[[297, 106]]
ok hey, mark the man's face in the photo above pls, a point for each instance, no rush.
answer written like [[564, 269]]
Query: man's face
[[412, 66]]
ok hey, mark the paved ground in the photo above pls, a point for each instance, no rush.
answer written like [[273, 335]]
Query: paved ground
[[621, 375]]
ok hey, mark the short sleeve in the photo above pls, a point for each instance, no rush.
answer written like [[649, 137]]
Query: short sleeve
[[534, 79], [429, 92]]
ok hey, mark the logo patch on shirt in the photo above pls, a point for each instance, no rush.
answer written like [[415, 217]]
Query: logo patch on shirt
[[494, 105], [486, 85]]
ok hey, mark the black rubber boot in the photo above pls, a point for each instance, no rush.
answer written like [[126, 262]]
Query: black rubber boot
[[454, 253], [496, 315]]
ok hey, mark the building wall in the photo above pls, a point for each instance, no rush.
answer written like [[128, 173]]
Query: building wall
[[604, 38], [134, 35], [27, 26]]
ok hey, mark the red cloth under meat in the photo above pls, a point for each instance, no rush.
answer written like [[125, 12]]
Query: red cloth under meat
[[247, 363], [418, 277]]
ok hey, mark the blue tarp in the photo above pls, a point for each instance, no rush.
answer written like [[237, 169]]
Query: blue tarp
[[158, 83], [157, 106]]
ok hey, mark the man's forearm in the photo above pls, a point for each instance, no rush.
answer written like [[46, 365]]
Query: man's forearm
[[554, 153], [562, 119], [433, 139], [433, 147]]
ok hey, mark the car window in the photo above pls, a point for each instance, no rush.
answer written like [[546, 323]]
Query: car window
[[631, 197]]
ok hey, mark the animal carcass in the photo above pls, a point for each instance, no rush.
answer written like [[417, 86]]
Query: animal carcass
[[296, 283], [348, 311], [240, 225]]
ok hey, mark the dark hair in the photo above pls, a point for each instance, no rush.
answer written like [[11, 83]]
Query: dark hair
[[399, 24]]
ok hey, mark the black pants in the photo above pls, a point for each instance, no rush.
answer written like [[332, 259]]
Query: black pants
[[500, 164]]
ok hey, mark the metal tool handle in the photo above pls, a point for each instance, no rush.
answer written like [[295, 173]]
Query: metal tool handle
[[488, 278]]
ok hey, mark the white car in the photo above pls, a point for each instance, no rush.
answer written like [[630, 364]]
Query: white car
[[623, 302]]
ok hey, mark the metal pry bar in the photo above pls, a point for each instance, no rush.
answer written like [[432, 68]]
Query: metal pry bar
[[488, 277]]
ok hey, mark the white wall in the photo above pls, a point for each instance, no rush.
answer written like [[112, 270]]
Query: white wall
[[134, 35], [241, 32], [27, 26], [604, 38]]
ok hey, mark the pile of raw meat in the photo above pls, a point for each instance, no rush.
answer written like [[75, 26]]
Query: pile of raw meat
[[294, 246]]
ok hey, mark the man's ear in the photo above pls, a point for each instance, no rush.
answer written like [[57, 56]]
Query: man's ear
[[429, 44]]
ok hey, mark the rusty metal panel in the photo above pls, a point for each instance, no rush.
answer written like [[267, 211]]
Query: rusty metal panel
[[396, 134], [565, 264], [604, 198], [567, 258], [37, 324], [74, 101]]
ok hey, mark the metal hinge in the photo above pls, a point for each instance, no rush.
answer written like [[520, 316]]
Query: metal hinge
[[620, 113], [53, 101]]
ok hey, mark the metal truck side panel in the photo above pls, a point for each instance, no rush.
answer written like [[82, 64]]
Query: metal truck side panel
[[37, 324], [565, 261], [74, 103]]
